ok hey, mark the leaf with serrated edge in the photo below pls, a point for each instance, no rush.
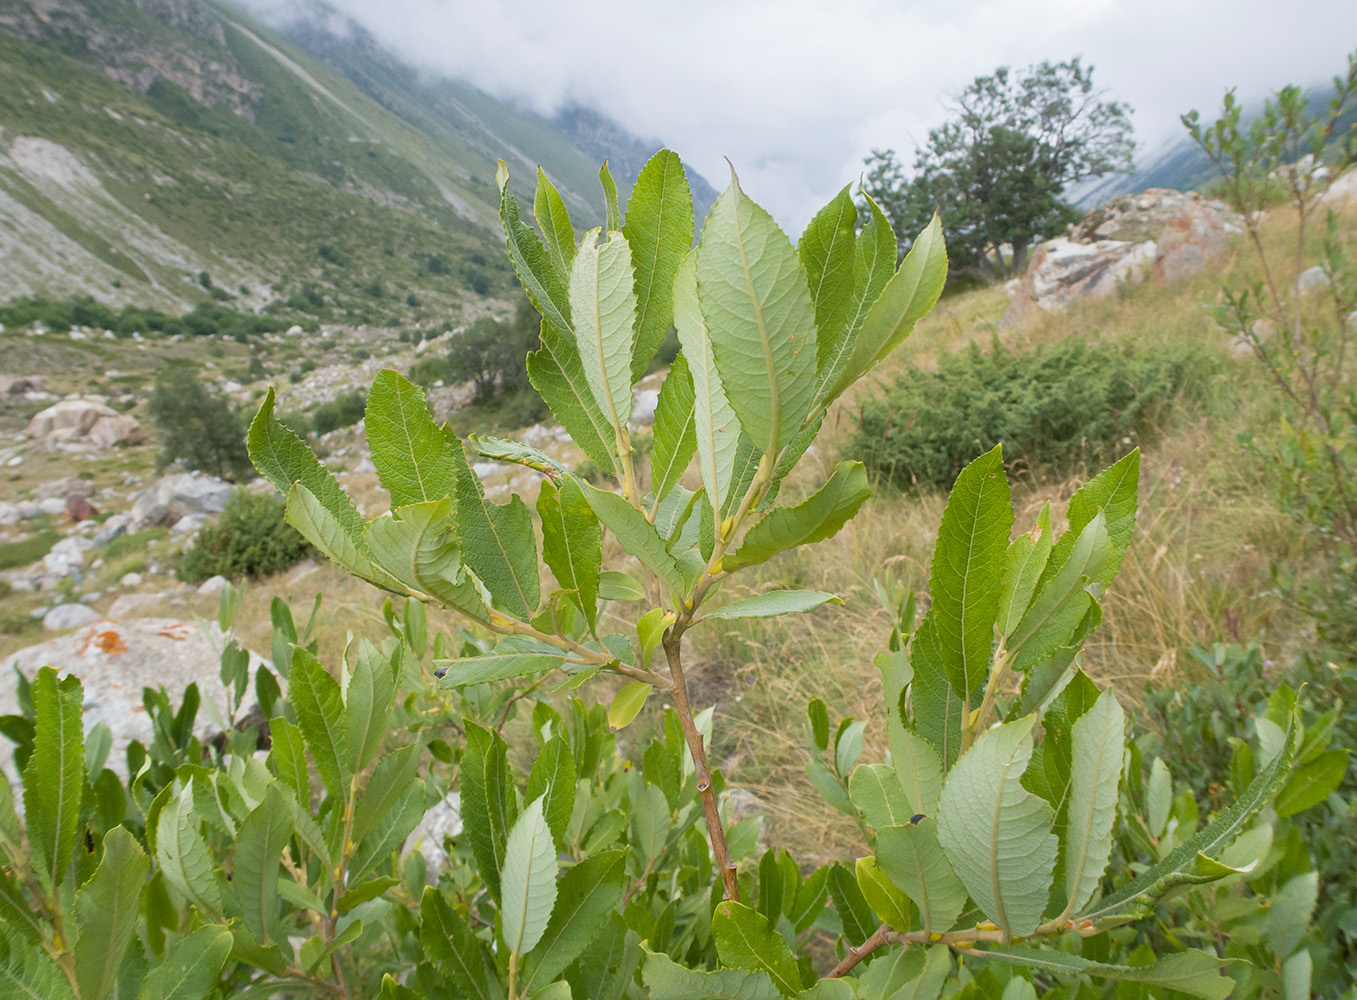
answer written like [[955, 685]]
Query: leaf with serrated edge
[[1062, 600], [553, 780], [543, 282], [1098, 747], [938, 712], [817, 518], [1114, 492], [636, 535], [917, 768], [826, 251], [967, 570], [368, 702], [873, 788], [515, 453], [554, 221], [106, 910], [1189, 971], [419, 547], [745, 940], [912, 858], [612, 214], [771, 604], [996, 834], [498, 542], [1134, 898], [717, 429], [407, 447], [667, 980], [320, 713], [675, 429], [55, 774], [557, 373], [586, 895], [603, 303], [572, 542], [192, 967], [182, 855], [454, 950], [528, 880], [263, 837], [1023, 566], [756, 302], [319, 527], [659, 228], [905, 300], [515, 656], [282, 459]]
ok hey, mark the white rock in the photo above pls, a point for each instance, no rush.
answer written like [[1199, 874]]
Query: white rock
[[441, 821], [189, 524], [643, 408], [213, 586], [134, 605], [130, 580], [111, 529], [1313, 279], [68, 616], [171, 497], [294, 331]]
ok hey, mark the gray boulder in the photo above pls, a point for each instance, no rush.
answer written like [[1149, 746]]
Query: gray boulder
[[65, 617], [173, 497]]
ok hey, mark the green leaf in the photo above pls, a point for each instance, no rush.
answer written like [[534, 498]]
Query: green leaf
[[515, 656], [28, 973], [826, 252], [1063, 600], [287, 757], [717, 429], [528, 881], [1296, 974], [389, 828], [1185, 865], [282, 459], [182, 855], [873, 265], [772, 604], [557, 373], [544, 283], [906, 299], [876, 792], [968, 565], [260, 844], [418, 546], [859, 922], [938, 711], [627, 704], [912, 858], [636, 535], [1023, 566], [917, 768], [191, 968], [454, 950], [1190, 971], [320, 713], [759, 317], [650, 823], [667, 980], [488, 801], [675, 429], [1290, 912], [612, 214], [553, 780], [408, 449], [818, 518], [886, 901], [554, 221], [1098, 746], [996, 834], [497, 540], [368, 701], [55, 774], [516, 453], [617, 586], [1310, 785], [319, 527], [572, 542], [745, 940], [659, 229], [17, 914], [106, 914], [603, 303], [586, 895], [1114, 492], [385, 786]]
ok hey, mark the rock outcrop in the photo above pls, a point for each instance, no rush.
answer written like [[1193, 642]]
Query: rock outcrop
[[81, 424], [171, 498], [1161, 234]]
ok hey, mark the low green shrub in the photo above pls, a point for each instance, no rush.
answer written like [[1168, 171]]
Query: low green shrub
[[1052, 408], [28, 550], [251, 539], [345, 411]]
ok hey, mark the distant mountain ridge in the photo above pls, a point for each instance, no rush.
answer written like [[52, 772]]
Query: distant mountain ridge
[[163, 151]]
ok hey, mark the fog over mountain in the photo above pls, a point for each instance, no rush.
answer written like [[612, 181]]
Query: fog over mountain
[[796, 92]]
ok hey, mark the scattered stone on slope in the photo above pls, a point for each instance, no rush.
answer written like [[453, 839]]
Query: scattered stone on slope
[[115, 660], [176, 496], [65, 617], [1167, 235], [83, 424]]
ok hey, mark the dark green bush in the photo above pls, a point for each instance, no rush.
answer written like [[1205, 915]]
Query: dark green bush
[[345, 411], [1052, 408], [251, 539], [27, 551], [199, 427]]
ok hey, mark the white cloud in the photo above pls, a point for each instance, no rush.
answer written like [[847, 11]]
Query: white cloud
[[796, 92]]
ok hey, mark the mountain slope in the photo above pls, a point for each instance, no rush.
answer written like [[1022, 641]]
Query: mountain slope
[[143, 142]]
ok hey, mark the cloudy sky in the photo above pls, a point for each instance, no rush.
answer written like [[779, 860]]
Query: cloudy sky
[[797, 92]]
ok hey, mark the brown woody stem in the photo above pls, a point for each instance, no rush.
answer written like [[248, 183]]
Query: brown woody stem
[[715, 830], [856, 955]]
